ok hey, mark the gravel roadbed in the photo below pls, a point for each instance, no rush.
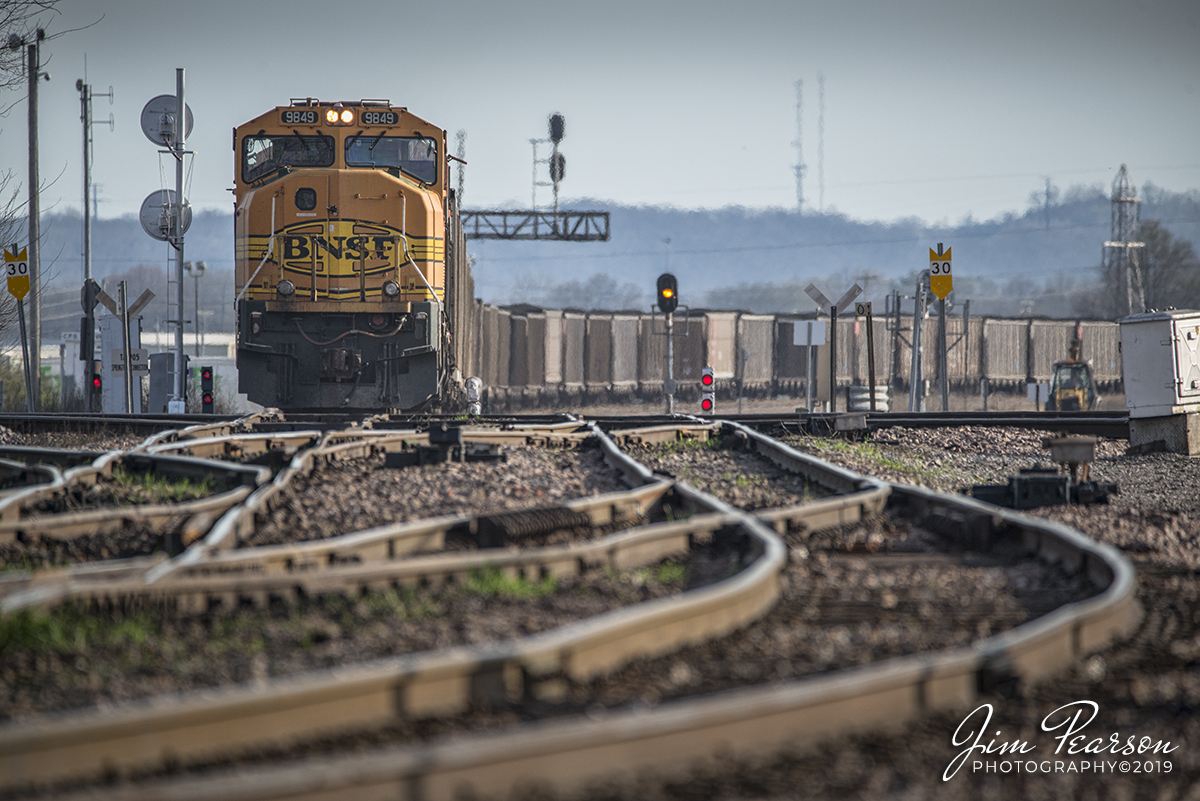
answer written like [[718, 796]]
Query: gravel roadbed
[[362, 493], [839, 608], [1148, 686], [38, 550], [852, 596], [77, 657], [720, 467], [71, 440]]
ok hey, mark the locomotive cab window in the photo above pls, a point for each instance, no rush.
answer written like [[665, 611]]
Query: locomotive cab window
[[306, 198], [264, 154], [414, 155]]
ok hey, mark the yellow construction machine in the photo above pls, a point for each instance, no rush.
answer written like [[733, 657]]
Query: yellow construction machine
[[1072, 386]]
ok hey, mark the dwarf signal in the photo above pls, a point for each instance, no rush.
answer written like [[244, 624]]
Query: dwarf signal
[[96, 381], [707, 387], [206, 390]]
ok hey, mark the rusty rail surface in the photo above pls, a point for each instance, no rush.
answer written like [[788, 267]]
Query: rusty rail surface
[[568, 754]]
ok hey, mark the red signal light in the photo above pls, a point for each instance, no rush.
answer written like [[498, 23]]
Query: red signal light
[[706, 403], [96, 381]]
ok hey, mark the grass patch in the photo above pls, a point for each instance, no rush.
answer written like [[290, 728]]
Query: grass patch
[[689, 444], [69, 630], [165, 489], [672, 573], [871, 453], [490, 582]]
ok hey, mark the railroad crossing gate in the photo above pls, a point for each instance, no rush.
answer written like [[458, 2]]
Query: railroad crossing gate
[[16, 267], [940, 279]]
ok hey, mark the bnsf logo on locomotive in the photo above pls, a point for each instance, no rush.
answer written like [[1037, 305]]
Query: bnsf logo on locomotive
[[347, 247], [341, 247]]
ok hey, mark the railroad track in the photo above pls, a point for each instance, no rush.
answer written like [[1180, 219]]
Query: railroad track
[[658, 517]]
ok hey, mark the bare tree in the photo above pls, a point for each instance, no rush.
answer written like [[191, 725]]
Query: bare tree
[[1170, 269], [12, 224], [20, 21]]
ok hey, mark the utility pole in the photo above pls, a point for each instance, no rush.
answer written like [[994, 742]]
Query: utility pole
[[33, 68], [916, 389], [177, 236], [196, 270]]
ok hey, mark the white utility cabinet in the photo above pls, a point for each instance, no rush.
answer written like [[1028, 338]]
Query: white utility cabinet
[[1160, 363]]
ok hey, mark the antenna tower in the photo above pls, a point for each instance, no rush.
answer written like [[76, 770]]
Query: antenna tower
[[799, 168], [1121, 252], [821, 141]]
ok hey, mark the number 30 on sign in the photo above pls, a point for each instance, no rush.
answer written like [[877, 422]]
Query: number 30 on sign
[[16, 265], [940, 279]]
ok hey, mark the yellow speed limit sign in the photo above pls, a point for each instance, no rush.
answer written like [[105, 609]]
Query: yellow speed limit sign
[[940, 279], [16, 266]]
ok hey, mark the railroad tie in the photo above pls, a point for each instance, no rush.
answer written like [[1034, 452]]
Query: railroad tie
[[494, 531]]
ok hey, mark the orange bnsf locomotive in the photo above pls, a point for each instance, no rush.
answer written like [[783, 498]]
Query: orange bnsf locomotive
[[351, 272]]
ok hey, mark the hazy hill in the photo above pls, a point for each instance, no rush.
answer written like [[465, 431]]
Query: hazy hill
[[1039, 259]]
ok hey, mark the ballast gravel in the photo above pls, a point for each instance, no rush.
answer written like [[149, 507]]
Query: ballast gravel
[[721, 467], [358, 494], [76, 656]]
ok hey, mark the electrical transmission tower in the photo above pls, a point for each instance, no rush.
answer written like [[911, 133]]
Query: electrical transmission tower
[[799, 168], [820, 142], [1121, 252]]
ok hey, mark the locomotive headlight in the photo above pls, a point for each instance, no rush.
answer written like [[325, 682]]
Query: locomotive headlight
[[331, 116], [286, 288], [391, 289], [347, 116]]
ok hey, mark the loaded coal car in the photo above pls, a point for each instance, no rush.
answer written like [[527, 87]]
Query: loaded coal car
[[351, 277]]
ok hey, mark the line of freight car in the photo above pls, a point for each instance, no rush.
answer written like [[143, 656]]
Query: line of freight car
[[529, 356]]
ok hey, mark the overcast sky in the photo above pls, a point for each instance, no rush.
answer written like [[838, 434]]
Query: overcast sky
[[933, 109]]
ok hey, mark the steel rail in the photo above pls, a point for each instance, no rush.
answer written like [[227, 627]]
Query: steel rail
[[22, 474], [66, 525], [29, 588], [858, 497], [568, 754], [206, 590], [397, 540], [239, 446], [140, 735]]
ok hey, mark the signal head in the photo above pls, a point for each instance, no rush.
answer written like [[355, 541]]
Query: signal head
[[706, 402], [707, 377], [668, 293]]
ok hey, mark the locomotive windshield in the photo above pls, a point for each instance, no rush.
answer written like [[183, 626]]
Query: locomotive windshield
[[264, 154], [414, 155]]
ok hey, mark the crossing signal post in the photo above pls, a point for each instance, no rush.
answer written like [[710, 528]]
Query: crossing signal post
[[707, 387], [668, 301], [206, 390]]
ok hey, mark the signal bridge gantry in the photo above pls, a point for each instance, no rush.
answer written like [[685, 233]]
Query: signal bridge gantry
[[536, 224]]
